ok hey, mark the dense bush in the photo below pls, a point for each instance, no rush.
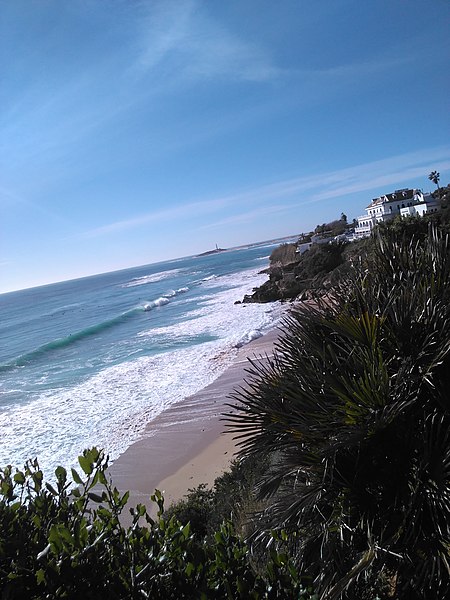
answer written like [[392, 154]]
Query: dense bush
[[319, 260], [312, 272], [354, 409], [68, 542], [232, 499], [333, 228]]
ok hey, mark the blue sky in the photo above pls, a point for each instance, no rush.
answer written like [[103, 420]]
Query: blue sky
[[137, 131]]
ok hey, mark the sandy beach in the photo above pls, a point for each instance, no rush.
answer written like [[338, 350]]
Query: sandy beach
[[186, 445]]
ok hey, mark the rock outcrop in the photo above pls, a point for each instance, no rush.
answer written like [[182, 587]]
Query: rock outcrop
[[291, 274]]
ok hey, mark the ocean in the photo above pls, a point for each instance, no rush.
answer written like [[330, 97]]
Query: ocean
[[92, 361]]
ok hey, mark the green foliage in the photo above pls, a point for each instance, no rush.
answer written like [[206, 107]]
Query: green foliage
[[60, 541], [334, 227], [292, 273], [319, 260], [197, 508], [354, 411], [231, 499]]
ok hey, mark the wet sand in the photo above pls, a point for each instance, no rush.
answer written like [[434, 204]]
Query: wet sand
[[186, 445]]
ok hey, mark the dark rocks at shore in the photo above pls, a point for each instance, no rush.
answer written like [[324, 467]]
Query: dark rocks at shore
[[279, 287]]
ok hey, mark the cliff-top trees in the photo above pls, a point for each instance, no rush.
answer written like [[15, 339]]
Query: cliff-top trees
[[354, 411]]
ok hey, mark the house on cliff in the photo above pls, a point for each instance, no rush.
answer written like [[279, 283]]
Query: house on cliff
[[404, 202]]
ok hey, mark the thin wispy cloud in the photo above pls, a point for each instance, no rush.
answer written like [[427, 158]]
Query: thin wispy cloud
[[176, 212], [55, 119], [178, 44], [377, 181], [126, 125], [165, 29], [249, 216], [392, 171], [14, 202], [302, 191], [357, 69], [338, 183], [185, 40]]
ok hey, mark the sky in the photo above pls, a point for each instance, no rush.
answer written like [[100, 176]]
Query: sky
[[132, 132]]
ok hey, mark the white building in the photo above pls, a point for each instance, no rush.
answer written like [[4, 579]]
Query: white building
[[405, 202]]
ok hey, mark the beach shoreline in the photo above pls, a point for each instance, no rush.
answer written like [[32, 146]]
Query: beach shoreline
[[185, 445]]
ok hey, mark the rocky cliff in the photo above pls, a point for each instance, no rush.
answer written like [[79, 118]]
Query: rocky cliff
[[291, 274]]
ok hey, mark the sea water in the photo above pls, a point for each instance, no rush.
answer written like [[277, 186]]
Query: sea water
[[94, 360]]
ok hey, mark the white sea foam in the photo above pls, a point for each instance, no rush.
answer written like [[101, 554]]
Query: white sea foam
[[152, 278], [154, 303], [111, 408], [217, 315], [250, 277], [165, 299], [248, 337]]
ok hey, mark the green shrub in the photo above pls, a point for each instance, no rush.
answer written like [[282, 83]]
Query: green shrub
[[354, 411], [319, 260], [231, 499], [60, 541], [198, 508]]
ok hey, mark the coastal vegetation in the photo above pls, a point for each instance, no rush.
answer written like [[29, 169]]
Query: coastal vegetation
[[342, 485], [61, 541], [353, 414], [313, 273], [354, 411]]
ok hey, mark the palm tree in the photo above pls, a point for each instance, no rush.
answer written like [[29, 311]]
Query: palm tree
[[434, 176], [353, 411]]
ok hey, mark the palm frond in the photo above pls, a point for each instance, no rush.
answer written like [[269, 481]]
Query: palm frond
[[354, 412]]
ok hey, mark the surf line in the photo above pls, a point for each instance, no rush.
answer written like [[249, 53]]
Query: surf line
[[69, 339]]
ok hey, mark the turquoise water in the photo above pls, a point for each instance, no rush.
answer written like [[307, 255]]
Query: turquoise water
[[92, 361]]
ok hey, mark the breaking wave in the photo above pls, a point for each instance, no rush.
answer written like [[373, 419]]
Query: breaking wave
[[67, 340], [153, 278], [254, 334], [77, 336]]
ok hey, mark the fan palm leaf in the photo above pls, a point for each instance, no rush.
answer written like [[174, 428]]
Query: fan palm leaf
[[354, 412]]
